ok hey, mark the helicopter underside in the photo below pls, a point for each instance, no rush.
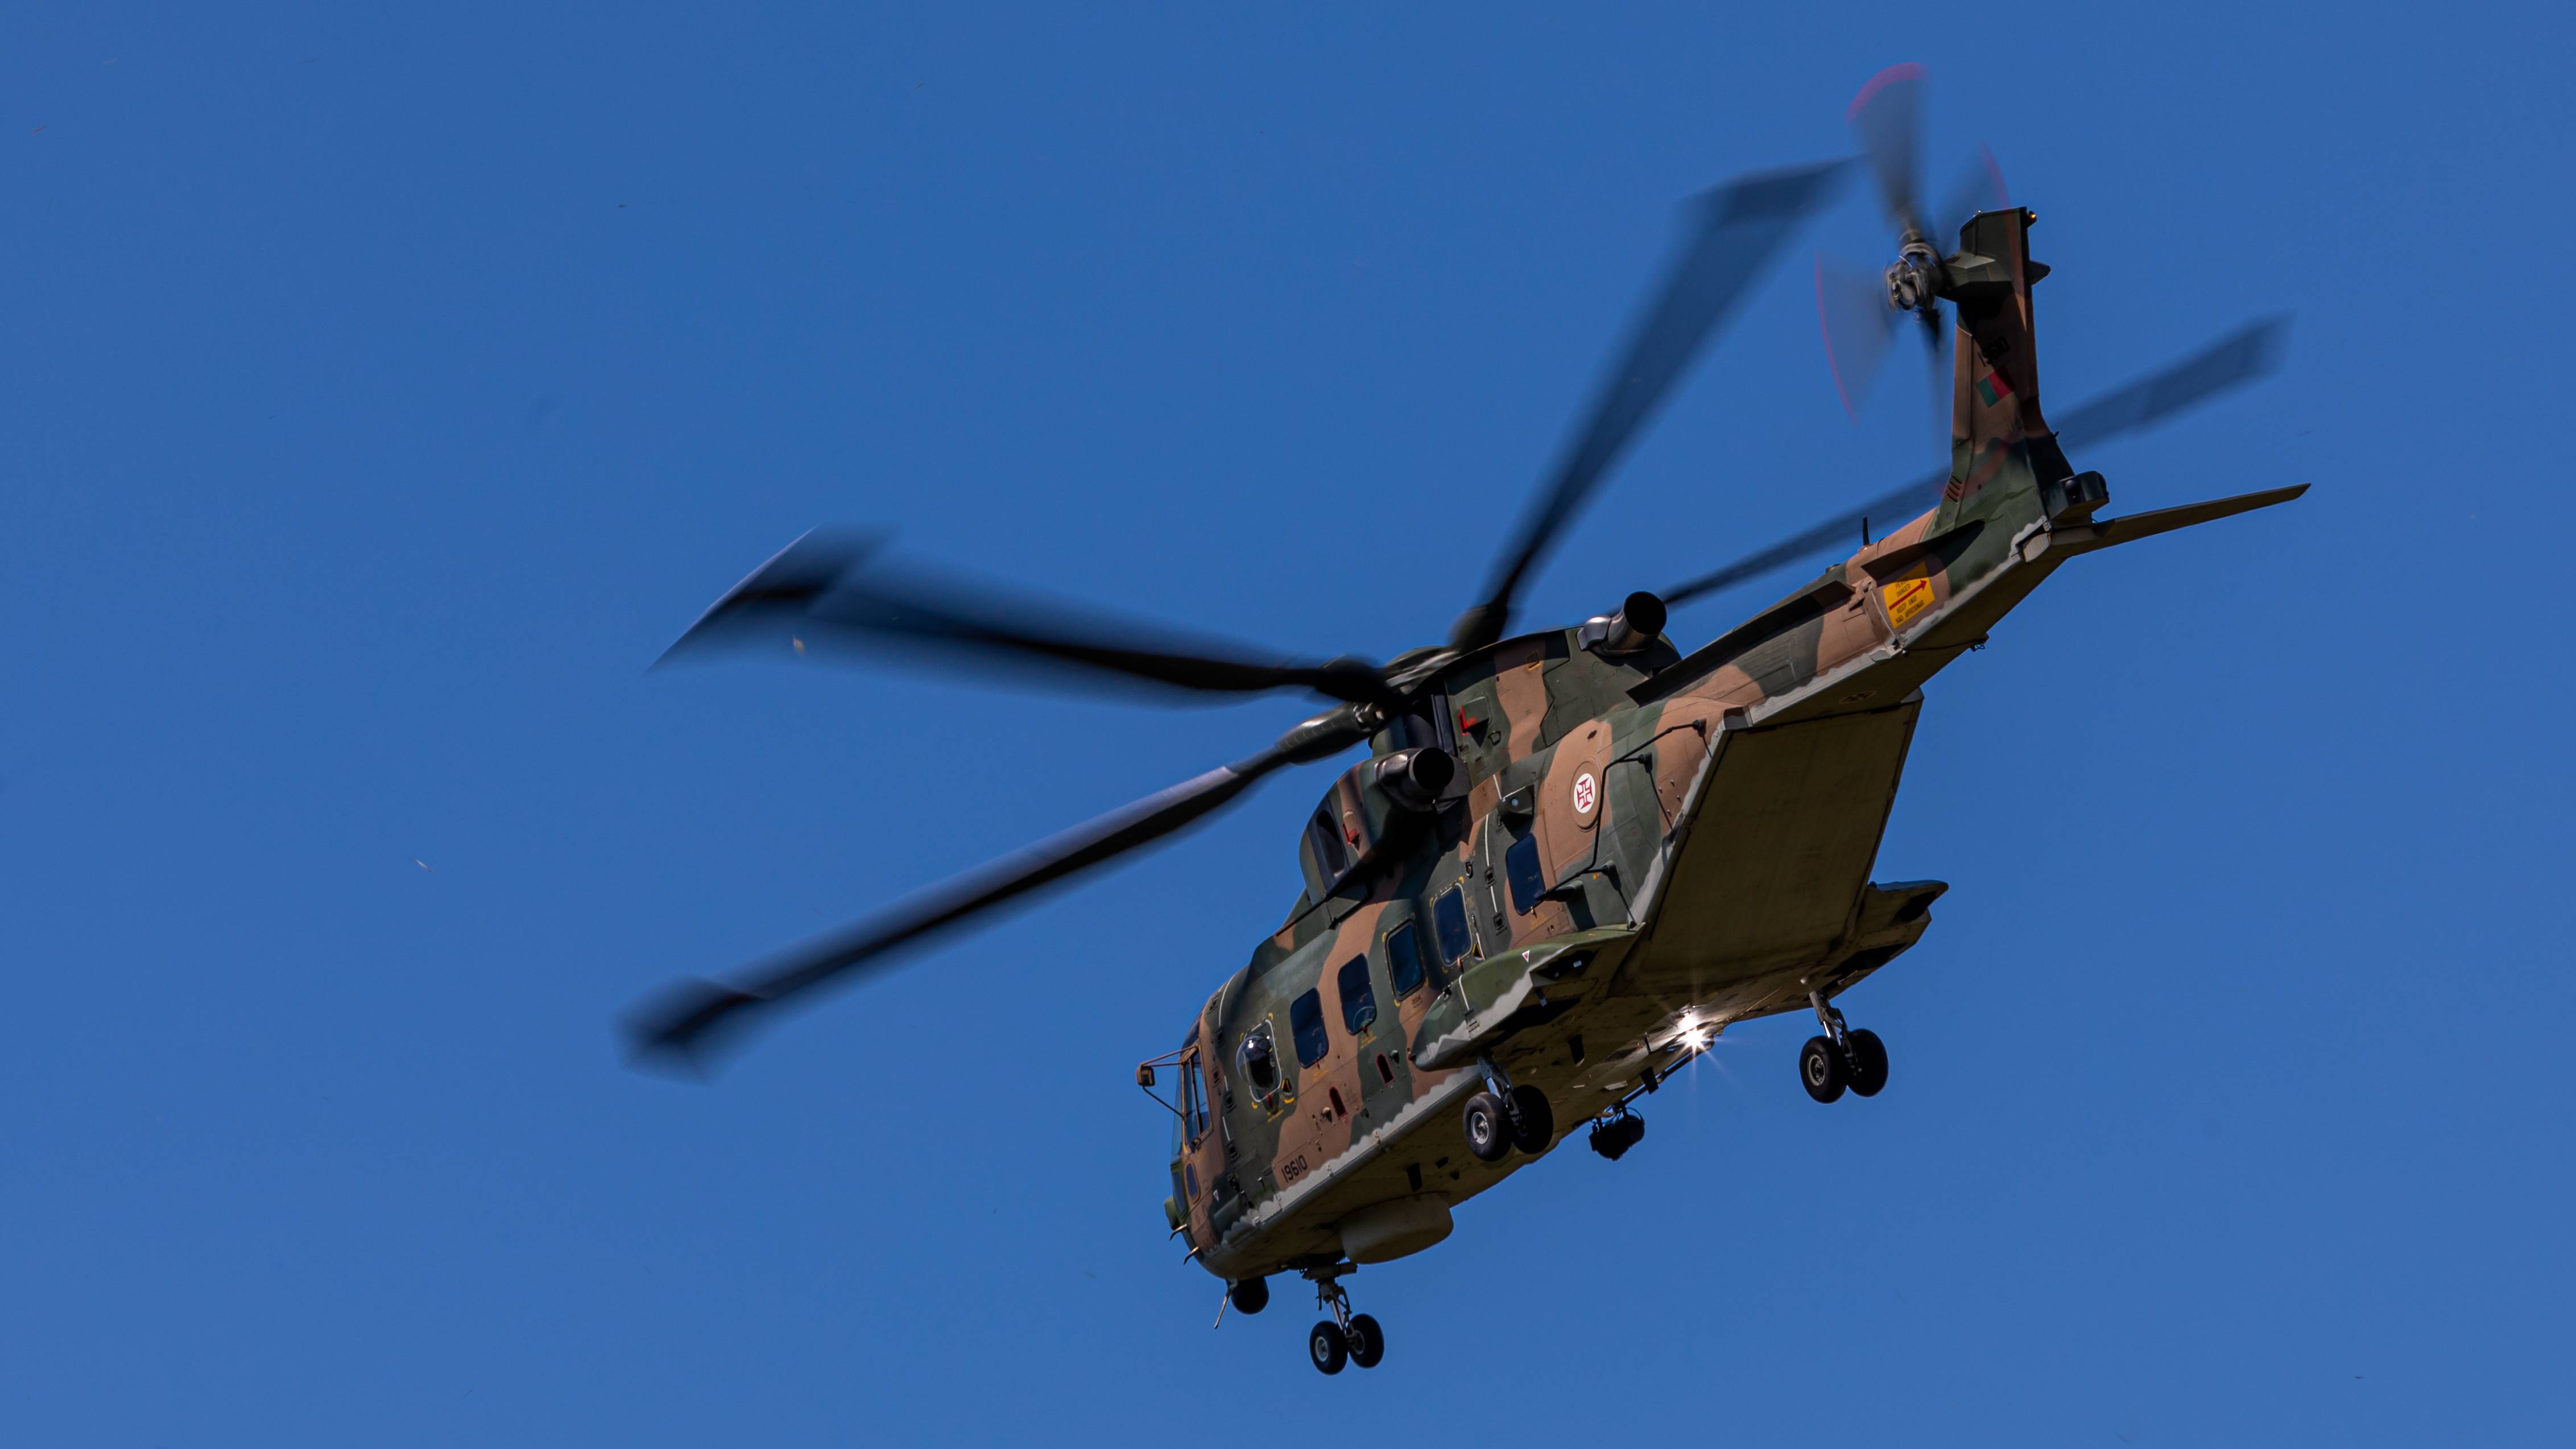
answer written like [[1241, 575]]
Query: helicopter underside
[[1768, 899]]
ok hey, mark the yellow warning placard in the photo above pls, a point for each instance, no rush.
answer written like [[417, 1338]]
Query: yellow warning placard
[[1906, 598]]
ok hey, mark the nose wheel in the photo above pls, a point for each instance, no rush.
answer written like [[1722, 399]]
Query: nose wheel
[[1346, 1337], [1842, 1059]]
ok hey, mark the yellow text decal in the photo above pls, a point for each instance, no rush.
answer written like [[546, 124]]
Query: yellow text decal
[[1906, 598]]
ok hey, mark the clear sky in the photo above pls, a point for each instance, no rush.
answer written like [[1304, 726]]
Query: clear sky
[[381, 392]]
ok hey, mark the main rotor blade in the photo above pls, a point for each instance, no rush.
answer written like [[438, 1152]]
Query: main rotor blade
[[2238, 358], [1735, 229], [815, 592], [682, 1023], [2241, 356], [1895, 505]]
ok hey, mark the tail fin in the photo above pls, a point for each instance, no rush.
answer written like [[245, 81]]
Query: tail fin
[[2002, 451]]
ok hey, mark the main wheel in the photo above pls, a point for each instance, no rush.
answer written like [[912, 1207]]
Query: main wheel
[[1820, 1067], [1250, 1295], [1536, 1130], [1368, 1345], [1488, 1128], [1325, 1346], [1868, 1063]]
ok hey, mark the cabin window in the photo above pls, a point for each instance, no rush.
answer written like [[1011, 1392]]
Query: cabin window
[[1404, 959], [1306, 1024], [1449, 919], [1332, 852], [1193, 1100], [1520, 866], [1359, 1003], [1259, 1061]]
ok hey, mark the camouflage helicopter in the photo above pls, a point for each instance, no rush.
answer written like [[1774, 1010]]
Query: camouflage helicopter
[[1574, 856]]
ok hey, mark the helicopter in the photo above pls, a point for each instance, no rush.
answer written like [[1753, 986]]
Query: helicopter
[[1572, 856]]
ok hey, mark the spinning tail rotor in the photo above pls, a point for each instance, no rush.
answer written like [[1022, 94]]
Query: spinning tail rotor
[[1861, 308]]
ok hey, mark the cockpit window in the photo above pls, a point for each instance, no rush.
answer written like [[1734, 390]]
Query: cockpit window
[[1520, 864], [1332, 852], [1306, 1024], [1449, 918], [1259, 1060], [1359, 1002], [1404, 959], [1194, 1117]]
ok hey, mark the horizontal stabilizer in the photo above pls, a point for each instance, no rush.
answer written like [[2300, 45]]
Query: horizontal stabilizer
[[2086, 538]]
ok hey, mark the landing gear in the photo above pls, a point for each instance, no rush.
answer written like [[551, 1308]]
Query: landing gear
[[1841, 1057], [1488, 1127], [1533, 1120], [1820, 1069], [1868, 1063], [1368, 1342], [1503, 1117], [1346, 1337], [1251, 1295], [1613, 1136]]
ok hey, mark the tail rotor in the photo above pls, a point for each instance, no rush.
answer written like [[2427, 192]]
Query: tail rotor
[[1860, 308]]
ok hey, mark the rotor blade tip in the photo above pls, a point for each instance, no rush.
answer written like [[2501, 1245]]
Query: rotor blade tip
[[672, 1032], [1901, 71]]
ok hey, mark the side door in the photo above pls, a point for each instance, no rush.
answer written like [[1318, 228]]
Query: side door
[[1212, 1197], [1377, 1032]]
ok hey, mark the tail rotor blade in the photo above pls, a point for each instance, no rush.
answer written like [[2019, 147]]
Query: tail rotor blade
[[1980, 187], [1858, 324], [1887, 117]]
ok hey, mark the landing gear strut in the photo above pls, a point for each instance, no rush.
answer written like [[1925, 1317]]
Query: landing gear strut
[[1346, 1337], [1841, 1057]]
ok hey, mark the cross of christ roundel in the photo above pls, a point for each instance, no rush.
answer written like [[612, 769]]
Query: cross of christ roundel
[[1587, 793]]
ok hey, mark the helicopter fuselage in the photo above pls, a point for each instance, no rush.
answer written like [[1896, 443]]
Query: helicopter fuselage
[[1638, 849], [1636, 852]]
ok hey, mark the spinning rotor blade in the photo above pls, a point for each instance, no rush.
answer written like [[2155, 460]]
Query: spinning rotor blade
[[2238, 358], [684, 1021], [1858, 323], [2248, 353], [1737, 228], [815, 592], [1979, 188], [1834, 532], [1887, 116]]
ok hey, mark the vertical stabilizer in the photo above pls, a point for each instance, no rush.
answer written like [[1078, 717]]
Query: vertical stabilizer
[[2001, 447]]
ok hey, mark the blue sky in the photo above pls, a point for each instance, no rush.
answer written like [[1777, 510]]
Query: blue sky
[[381, 394]]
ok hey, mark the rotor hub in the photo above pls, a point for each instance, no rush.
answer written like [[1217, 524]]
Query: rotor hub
[[1913, 279]]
